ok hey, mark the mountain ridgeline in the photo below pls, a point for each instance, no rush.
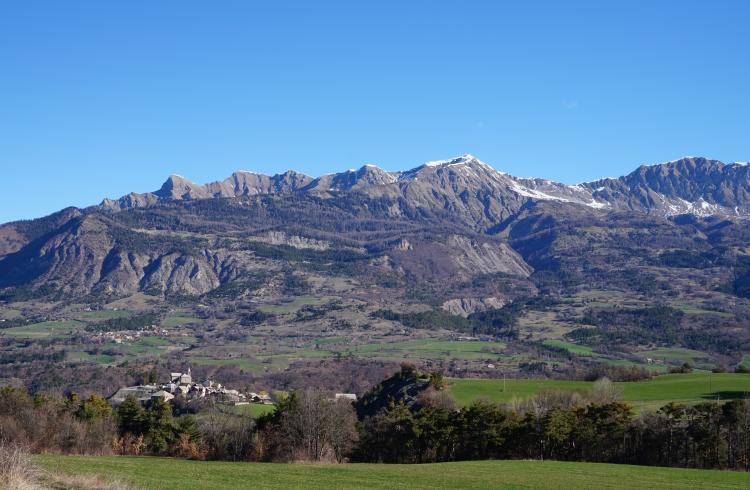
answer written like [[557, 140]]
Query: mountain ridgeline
[[457, 220]]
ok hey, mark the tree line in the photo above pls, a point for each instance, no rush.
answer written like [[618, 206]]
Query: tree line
[[408, 418]]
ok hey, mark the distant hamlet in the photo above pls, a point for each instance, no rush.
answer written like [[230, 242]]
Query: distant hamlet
[[181, 384]]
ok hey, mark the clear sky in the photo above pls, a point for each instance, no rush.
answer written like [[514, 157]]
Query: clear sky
[[98, 99]]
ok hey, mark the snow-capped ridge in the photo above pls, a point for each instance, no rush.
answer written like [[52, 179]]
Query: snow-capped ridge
[[686, 186]]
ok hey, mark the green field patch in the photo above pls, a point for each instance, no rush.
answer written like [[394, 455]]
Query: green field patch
[[294, 305], [745, 361], [654, 368], [653, 393], [243, 363], [286, 358], [179, 320], [331, 340], [103, 314], [43, 329], [465, 391], [675, 354], [9, 313], [175, 474], [86, 357], [431, 349], [686, 388], [694, 310], [253, 409], [580, 350], [144, 345]]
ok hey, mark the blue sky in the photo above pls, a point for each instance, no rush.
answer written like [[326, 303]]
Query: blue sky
[[98, 99]]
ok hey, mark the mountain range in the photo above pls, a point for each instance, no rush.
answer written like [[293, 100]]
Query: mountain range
[[688, 185], [453, 218]]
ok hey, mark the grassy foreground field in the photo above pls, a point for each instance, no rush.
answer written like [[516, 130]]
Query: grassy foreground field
[[653, 393], [167, 473]]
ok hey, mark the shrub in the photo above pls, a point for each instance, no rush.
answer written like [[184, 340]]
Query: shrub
[[16, 468]]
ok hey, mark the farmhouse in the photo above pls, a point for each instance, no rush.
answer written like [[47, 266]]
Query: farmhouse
[[345, 396], [142, 393]]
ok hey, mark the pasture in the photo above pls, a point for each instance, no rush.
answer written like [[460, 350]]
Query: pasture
[[43, 329], [168, 474], [653, 393]]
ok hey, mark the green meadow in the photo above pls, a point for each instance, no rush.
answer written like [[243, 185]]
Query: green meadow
[[431, 349], [676, 354], [580, 350], [179, 320], [173, 474], [253, 409], [653, 393], [103, 314], [43, 329]]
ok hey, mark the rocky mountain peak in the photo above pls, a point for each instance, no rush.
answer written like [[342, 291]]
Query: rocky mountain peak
[[178, 187], [455, 164]]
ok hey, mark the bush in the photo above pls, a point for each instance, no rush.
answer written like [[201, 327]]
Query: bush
[[617, 373], [16, 468], [686, 368]]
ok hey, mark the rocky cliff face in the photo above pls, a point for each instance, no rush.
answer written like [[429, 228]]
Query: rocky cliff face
[[466, 306], [93, 255], [686, 186]]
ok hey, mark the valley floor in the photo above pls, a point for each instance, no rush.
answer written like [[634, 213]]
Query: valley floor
[[167, 473]]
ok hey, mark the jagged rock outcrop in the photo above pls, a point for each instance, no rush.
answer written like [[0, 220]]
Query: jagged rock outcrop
[[251, 184], [87, 255], [455, 257], [367, 176], [239, 184], [281, 238], [690, 185], [466, 306]]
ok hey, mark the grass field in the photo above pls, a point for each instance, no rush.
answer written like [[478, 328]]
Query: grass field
[[654, 393], [580, 350], [167, 474], [430, 349], [9, 313], [145, 345], [43, 329], [675, 354], [694, 310], [103, 314], [331, 340], [294, 305], [83, 356], [253, 409], [178, 320], [241, 362]]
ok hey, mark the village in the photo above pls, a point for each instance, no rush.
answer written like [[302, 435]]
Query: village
[[126, 336], [182, 384]]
